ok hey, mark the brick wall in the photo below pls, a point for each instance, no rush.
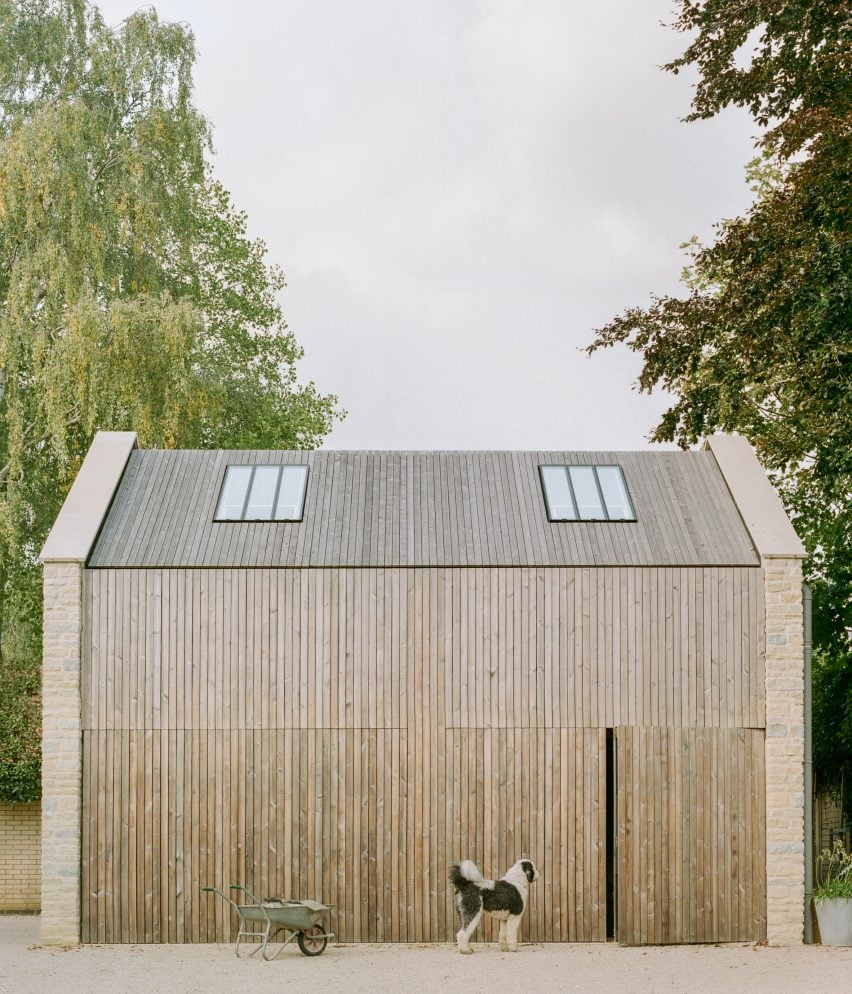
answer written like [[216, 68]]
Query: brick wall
[[785, 741], [20, 856]]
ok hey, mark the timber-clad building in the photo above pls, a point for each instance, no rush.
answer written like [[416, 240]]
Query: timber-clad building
[[332, 674]]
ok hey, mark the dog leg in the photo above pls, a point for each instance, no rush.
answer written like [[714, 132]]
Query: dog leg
[[466, 931], [512, 928], [504, 936]]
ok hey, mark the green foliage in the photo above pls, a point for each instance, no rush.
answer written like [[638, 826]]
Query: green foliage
[[20, 729], [130, 294], [834, 873], [20, 673], [761, 344], [832, 725]]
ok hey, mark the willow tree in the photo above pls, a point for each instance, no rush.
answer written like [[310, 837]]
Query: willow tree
[[130, 295]]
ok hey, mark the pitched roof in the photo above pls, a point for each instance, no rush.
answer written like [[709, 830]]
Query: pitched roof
[[421, 509]]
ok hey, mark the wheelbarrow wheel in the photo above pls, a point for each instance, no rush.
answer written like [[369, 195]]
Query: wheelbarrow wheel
[[312, 941]]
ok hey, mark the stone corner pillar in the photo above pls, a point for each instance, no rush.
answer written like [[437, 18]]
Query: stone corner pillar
[[785, 742], [61, 754]]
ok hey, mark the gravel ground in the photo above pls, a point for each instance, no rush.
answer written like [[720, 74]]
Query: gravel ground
[[27, 968]]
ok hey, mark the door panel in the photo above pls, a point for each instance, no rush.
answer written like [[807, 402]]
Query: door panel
[[691, 844], [365, 819]]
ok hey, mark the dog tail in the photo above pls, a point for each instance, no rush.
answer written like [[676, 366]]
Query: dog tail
[[467, 873]]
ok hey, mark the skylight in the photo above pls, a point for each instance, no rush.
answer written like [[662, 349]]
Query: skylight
[[586, 493], [262, 493]]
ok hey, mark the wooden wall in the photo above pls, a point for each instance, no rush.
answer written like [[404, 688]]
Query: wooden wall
[[346, 734], [460, 648]]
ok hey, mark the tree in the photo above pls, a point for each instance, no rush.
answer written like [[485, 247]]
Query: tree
[[130, 294], [762, 341]]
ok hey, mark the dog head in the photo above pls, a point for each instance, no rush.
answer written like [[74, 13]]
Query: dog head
[[529, 869]]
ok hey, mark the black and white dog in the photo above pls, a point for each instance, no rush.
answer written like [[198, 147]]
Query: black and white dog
[[504, 899]]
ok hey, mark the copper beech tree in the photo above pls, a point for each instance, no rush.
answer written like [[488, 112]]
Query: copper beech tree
[[760, 343]]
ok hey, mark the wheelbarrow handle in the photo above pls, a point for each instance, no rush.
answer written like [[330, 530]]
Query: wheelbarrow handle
[[249, 895], [215, 890]]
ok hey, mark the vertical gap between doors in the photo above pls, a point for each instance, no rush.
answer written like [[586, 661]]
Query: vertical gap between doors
[[610, 835]]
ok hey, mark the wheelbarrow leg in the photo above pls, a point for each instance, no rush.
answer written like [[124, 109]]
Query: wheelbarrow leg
[[240, 935], [253, 933], [264, 935], [265, 939], [283, 945], [236, 907]]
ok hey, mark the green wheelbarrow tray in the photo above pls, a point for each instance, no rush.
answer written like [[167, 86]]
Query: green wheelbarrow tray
[[265, 919]]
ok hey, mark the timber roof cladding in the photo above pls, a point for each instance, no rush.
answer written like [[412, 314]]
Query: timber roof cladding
[[421, 509]]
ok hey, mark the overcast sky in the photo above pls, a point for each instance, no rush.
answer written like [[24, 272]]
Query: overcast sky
[[459, 192]]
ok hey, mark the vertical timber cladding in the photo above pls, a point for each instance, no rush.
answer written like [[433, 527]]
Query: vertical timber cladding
[[345, 734], [691, 837]]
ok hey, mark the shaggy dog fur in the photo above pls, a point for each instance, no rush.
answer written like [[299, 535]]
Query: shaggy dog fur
[[504, 899]]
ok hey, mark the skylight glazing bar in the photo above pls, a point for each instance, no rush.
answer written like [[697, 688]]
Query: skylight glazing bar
[[573, 494], [248, 491], [600, 492], [277, 491]]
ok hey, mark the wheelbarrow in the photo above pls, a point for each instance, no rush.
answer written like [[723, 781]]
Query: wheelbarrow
[[265, 919]]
